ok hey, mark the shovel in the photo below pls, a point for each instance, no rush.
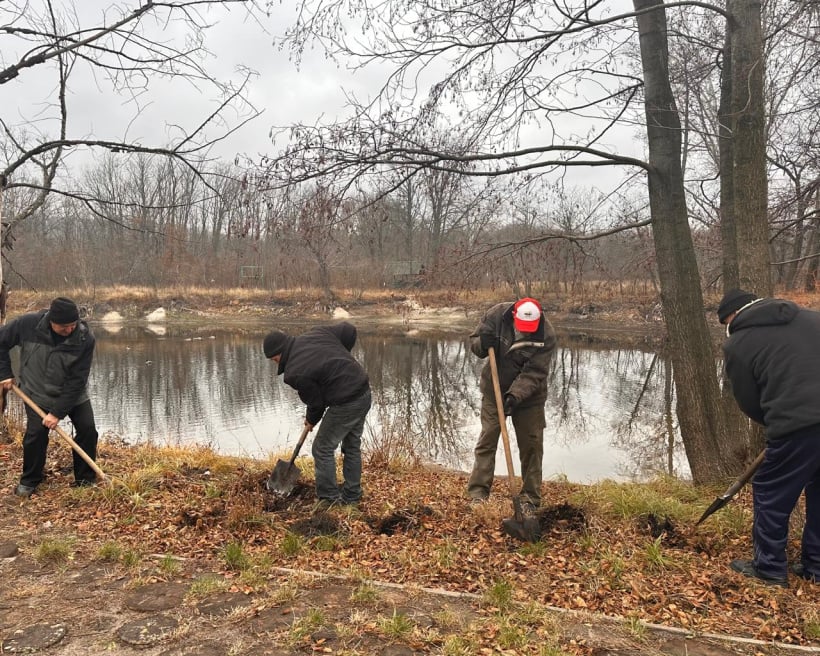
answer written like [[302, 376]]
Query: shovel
[[283, 478], [77, 448], [527, 529], [726, 497]]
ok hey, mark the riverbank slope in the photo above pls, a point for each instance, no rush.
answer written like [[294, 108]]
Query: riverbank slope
[[184, 552]]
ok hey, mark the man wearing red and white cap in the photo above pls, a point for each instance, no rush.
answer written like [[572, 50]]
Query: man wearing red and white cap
[[524, 341]]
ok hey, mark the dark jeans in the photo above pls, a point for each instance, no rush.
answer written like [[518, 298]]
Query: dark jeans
[[790, 466], [35, 445], [529, 423], [341, 424]]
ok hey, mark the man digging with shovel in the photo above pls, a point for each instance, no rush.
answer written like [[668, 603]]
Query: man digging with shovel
[[56, 351], [519, 341], [336, 390], [772, 359]]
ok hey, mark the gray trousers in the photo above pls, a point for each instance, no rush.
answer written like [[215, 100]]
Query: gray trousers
[[341, 425], [529, 423]]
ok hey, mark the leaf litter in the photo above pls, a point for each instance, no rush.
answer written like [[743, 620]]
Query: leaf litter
[[415, 527]]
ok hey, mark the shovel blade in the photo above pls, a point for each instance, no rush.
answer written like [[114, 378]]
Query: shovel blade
[[526, 530], [522, 526], [716, 505], [283, 478]]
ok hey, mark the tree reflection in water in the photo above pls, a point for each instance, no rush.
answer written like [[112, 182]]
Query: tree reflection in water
[[609, 415]]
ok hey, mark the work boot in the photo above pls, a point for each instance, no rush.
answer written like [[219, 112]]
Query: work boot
[[798, 570], [477, 500], [24, 491], [346, 500], [83, 482], [747, 568], [325, 503]]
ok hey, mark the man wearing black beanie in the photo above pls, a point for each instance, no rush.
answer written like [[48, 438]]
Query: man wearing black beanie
[[335, 388], [56, 350], [772, 359]]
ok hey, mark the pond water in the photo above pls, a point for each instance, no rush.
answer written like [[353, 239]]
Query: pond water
[[609, 414]]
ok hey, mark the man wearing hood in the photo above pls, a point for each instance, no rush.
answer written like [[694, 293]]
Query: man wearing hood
[[772, 359], [335, 388]]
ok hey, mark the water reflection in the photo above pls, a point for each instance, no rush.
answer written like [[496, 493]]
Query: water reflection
[[609, 414]]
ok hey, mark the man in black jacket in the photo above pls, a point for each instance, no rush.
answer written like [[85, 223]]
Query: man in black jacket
[[334, 386], [524, 341], [56, 350], [772, 359]]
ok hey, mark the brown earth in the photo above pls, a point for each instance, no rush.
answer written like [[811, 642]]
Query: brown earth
[[187, 554], [184, 553]]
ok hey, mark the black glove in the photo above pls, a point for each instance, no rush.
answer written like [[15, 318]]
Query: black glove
[[488, 340], [509, 404]]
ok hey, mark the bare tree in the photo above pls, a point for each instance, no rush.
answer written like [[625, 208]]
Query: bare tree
[[124, 50]]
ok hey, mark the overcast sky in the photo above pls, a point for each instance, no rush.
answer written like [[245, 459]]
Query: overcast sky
[[284, 94]]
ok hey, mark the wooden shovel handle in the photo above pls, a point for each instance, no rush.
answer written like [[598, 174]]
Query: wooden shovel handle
[[77, 448], [502, 420], [299, 444]]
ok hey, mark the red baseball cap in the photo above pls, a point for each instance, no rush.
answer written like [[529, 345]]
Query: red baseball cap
[[526, 315]]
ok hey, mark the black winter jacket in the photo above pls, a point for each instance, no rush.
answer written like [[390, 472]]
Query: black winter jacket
[[523, 359], [320, 367], [53, 375], [772, 359]]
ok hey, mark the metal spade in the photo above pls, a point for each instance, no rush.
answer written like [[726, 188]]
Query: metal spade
[[284, 476], [726, 497]]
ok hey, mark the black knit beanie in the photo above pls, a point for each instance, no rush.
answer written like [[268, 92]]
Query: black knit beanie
[[63, 310], [274, 343], [732, 301]]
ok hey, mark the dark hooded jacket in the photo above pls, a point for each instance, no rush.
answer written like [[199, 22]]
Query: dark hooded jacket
[[772, 359], [523, 359], [53, 372], [320, 367]]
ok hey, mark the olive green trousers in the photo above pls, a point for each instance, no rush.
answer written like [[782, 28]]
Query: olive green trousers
[[529, 424]]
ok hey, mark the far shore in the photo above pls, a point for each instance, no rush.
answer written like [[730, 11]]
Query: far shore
[[608, 319]]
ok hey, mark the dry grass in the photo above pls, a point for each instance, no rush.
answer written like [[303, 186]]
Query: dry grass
[[600, 293], [601, 296]]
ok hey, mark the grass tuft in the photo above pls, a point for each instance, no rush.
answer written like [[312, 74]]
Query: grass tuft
[[655, 557], [499, 595], [206, 585], [110, 552], [292, 544], [396, 627], [235, 557], [365, 593], [54, 551]]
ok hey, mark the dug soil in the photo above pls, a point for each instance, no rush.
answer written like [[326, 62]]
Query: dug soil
[[184, 553]]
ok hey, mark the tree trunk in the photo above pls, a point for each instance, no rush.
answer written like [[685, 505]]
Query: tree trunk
[[810, 278], [727, 186], [738, 435], [750, 197], [749, 147], [699, 412], [791, 269], [3, 285]]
